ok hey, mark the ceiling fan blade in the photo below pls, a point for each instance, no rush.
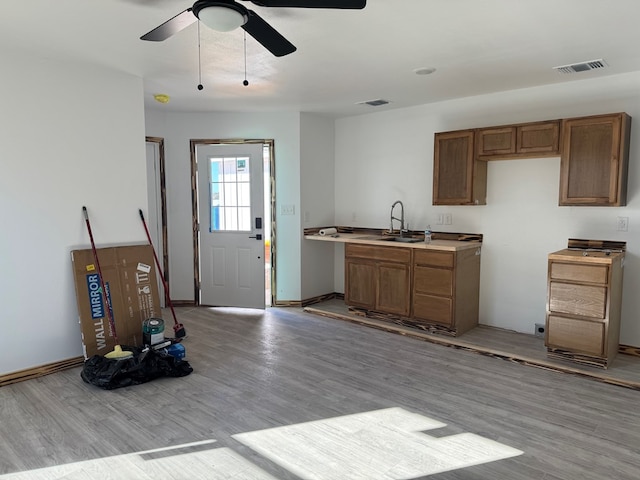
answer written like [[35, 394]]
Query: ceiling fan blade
[[171, 26], [355, 4], [267, 35]]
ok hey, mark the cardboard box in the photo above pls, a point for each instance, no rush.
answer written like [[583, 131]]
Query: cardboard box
[[130, 280]]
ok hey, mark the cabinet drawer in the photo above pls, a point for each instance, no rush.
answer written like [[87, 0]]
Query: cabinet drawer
[[389, 254], [579, 273], [435, 281], [576, 335], [430, 257], [585, 300], [434, 309]]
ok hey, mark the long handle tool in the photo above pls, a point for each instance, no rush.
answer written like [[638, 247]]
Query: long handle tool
[[117, 351], [178, 328]]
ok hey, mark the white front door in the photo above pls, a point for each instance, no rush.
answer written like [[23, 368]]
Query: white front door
[[230, 215]]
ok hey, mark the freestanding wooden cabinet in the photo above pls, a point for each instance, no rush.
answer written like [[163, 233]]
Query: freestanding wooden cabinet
[[458, 178], [595, 159], [584, 300], [378, 278], [446, 289]]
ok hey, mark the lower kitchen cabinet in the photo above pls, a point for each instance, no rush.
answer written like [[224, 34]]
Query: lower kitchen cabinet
[[446, 289], [435, 290], [584, 299], [378, 278]]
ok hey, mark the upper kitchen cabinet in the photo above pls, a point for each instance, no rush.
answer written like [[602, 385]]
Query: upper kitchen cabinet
[[496, 141], [595, 159], [539, 139], [458, 178]]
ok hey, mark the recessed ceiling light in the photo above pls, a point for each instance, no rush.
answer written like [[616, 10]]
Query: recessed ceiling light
[[424, 71]]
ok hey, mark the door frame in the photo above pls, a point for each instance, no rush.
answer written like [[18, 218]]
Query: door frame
[[164, 254], [195, 227]]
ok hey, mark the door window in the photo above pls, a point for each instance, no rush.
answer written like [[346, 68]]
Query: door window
[[230, 194]]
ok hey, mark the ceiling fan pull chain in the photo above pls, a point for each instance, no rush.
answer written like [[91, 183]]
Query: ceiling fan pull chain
[[245, 82], [200, 87]]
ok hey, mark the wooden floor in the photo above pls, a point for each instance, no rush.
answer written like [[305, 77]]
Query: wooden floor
[[505, 344], [284, 368]]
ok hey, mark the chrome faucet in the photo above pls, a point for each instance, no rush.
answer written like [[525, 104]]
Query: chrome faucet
[[401, 219]]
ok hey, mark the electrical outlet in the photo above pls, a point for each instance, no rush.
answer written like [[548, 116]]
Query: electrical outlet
[[307, 217], [623, 224], [440, 220], [448, 219], [354, 217], [539, 330]]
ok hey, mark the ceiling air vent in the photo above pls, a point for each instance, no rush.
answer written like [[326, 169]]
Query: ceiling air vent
[[374, 103], [582, 66]]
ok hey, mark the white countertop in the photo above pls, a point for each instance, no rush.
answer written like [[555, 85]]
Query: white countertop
[[586, 256], [370, 239]]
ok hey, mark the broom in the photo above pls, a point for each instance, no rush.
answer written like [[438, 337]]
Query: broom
[[117, 353], [178, 328]]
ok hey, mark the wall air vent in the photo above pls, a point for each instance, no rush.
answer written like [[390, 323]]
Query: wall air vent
[[374, 103], [582, 66]]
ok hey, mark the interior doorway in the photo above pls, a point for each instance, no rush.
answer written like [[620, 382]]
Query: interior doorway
[[219, 263], [156, 216]]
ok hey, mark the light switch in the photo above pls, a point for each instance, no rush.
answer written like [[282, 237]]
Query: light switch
[[287, 210]]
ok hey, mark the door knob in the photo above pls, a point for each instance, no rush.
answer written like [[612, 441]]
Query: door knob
[[258, 236]]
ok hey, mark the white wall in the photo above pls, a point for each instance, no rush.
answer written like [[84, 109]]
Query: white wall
[[70, 136], [388, 156], [317, 201], [178, 129]]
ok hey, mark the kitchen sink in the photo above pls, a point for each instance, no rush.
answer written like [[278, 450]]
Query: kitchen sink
[[388, 238], [405, 239]]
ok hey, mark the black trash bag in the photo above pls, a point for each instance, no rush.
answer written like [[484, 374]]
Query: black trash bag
[[142, 367]]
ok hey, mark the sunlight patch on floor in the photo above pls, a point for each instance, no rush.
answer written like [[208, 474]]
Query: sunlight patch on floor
[[160, 464], [383, 444], [380, 445]]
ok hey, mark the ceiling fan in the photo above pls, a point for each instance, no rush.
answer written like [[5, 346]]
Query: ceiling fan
[[227, 15]]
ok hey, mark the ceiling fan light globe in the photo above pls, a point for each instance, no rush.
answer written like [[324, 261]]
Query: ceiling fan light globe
[[221, 19]]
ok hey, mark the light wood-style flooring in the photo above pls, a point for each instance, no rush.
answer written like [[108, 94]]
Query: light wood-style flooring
[[256, 370], [505, 344]]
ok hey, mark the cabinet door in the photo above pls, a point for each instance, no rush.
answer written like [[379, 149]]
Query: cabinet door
[[496, 141], [594, 163], [543, 138], [457, 178], [360, 283], [393, 288]]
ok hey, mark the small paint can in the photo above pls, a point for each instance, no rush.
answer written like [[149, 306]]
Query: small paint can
[[153, 331]]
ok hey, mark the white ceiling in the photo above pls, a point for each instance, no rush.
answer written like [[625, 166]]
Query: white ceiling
[[343, 56]]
